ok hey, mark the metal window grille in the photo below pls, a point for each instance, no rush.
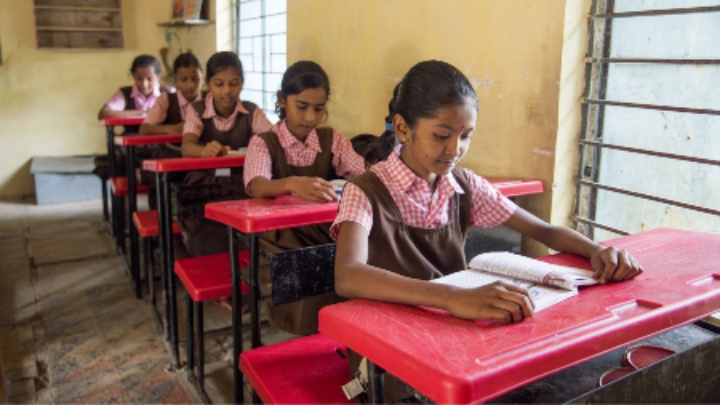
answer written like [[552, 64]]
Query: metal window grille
[[260, 39], [649, 141]]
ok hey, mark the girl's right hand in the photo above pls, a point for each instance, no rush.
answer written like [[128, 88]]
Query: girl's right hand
[[313, 189], [214, 148], [501, 301]]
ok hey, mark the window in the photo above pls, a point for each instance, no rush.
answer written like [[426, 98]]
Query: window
[[649, 144], [260, 29]]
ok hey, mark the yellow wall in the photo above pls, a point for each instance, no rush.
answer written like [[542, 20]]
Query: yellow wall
[[511, 50], [523, 57], [49, 99]]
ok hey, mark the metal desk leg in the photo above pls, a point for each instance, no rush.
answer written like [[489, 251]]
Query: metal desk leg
[[236, 315], [376, 388], [170, 279], [164, 211], [109, 139], [132, 207], [160, 184], [254, 290], [255, 297]]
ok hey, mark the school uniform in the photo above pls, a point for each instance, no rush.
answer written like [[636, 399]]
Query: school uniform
[[203, 236], [125, 99], [413, 230], [276, 154], [130, 98], [168, 109]]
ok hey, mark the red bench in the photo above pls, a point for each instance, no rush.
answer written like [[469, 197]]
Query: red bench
[[307, 370], [146, 224], [205, 278]]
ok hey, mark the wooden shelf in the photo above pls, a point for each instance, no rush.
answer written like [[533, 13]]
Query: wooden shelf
[[79, 24], [80, 29], [71, 8], [186, 23]]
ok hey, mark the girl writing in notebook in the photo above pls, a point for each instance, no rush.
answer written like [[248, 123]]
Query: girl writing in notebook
[[213, 127], [298, 157], [405, 221]]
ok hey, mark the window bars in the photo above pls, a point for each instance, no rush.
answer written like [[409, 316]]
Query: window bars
[[593, 144]]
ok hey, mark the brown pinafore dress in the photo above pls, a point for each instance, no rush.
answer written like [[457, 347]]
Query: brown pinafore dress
[[166, 151], [204, 236], [300, 317], [418, 253]]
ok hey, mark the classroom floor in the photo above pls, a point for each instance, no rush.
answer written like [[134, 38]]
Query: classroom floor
[[71, 329]]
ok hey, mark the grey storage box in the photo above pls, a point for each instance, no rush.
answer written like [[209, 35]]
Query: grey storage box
[[61, 179]]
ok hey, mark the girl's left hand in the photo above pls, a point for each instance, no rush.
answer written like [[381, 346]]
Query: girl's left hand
[[612, 264]]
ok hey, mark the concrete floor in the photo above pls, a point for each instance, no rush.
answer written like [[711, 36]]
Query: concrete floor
[[71, 329]]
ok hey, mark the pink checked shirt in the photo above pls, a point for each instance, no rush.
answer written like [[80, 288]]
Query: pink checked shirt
[[419, 206], [346, 161], [194, 125], [158, 112], [142, 102]]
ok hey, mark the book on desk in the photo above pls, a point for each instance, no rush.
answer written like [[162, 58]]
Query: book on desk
[[547, 284]]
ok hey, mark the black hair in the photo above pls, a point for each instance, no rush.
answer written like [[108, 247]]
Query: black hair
[[143, 61], [185, 60], [299, 77], [221, 61], [425, 88]]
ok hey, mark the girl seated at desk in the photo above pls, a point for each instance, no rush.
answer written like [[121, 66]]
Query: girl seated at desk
[[296, 157], [132, 101], [214, 126], [167, 115], [405, 221]]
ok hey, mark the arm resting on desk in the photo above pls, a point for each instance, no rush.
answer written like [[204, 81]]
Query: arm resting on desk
[[108, 113], [191, 147], [609, 264], [354, 278], [308, 188], [161, 129]]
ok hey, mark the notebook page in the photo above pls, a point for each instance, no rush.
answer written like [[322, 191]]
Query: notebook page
[[525, 268], [542, 296]]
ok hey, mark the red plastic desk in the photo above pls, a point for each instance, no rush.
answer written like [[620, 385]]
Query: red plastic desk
[[516, 187], [163, 167], [252, 216], [149, 139], [135, 120], [110, 124], [129, 142], [456, 361]]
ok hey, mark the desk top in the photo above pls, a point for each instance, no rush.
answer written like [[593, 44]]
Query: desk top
[[450, 360], [185, 164], [514, 187], [149, 139], [259, 215], [137, 120], [266, 214]]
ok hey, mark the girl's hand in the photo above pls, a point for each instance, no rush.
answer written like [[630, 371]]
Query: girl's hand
[[214, 148], [501, 301], [611, 264], [313, 188]]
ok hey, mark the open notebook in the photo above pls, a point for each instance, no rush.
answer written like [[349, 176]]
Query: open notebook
[[547, 283]]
